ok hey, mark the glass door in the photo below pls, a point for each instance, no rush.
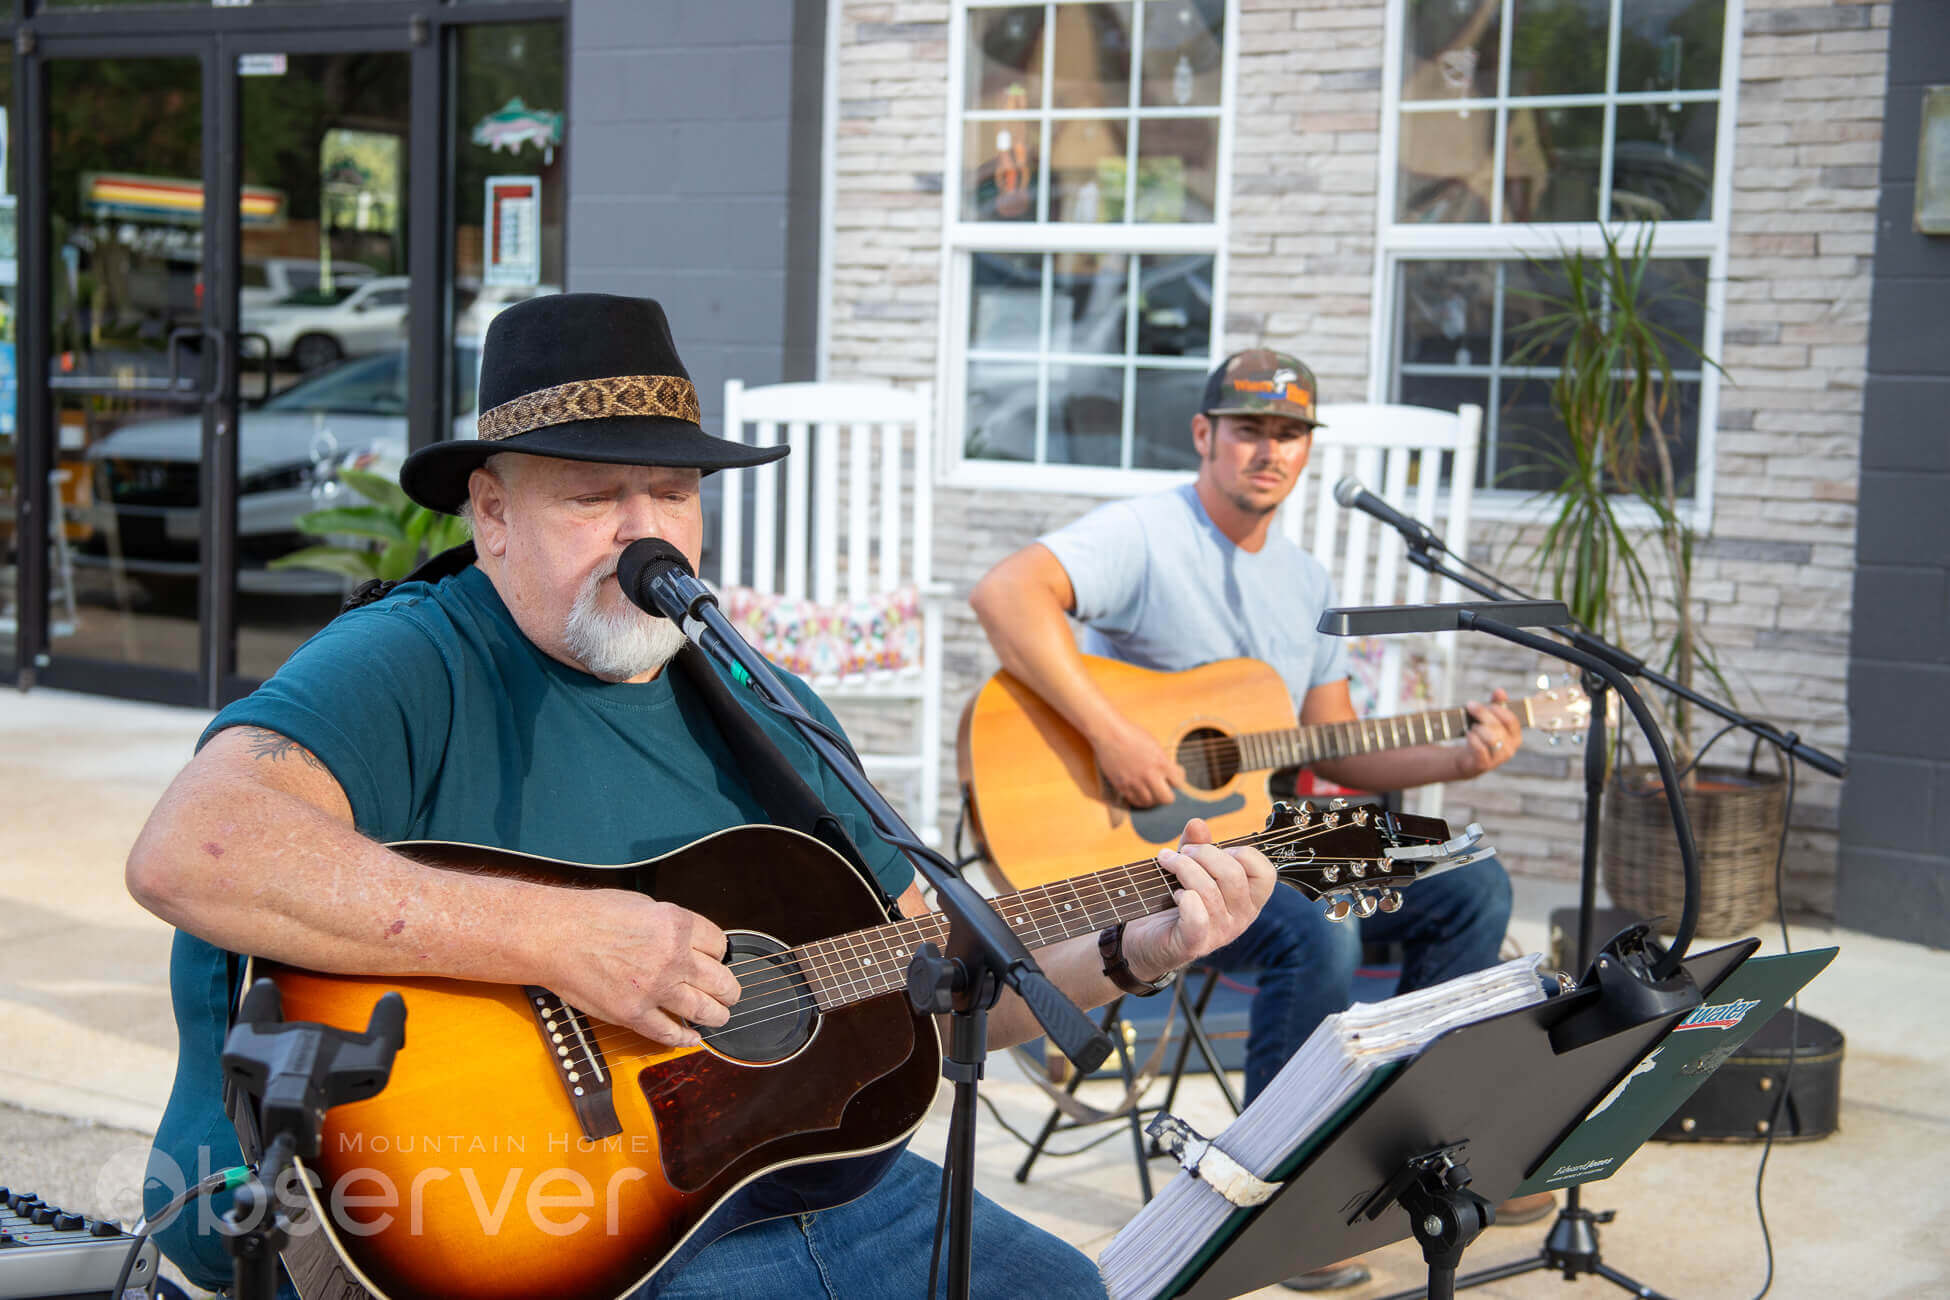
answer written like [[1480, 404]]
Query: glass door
[[223, 344], [130, 373], [321, 310]]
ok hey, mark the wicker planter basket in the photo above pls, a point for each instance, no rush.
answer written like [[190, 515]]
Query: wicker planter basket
[[1736, 817]]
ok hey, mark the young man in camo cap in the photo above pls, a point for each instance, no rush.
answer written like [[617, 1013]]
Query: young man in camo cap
[[1198, 573]]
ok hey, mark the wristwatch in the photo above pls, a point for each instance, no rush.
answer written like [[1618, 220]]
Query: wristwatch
[[1110, 946]]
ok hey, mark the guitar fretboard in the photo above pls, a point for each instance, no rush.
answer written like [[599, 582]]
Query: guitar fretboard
[[1263, 751], [853, 967]]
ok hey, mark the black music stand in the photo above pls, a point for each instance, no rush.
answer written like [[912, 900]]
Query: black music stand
[[1450, 1133]]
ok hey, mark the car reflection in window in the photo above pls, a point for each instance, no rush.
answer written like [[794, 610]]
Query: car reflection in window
[[147, 506]]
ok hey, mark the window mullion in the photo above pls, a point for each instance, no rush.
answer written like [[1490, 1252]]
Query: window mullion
[[1500, 128]]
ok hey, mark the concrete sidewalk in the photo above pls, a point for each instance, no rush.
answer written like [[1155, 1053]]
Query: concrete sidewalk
[[87, 1050]]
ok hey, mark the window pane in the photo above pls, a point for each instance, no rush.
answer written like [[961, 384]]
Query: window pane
[[1087, 303], [1162, 422], [1087, 169], [1558, 47], [1005, 58], [1001, 411], [1086, 415], [1446, 312], [1671, 45], [1521, 449], [1452, 50], [1662, 162], [999, 162], [1184, 41], [1533, 294], [1675, 299], [1092, 59], [1445, 172], [509, 140], [1174, 316], [1007, 301], [1178, 167], [127, 271], [1550, 164]]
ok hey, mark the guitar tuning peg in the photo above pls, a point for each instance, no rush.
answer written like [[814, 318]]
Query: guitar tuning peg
[[1554, 738], [1357, 868], [1360, 816], [1330, 874], [1337, 803], [1338, 910], [1364, 906], [1391, 900]]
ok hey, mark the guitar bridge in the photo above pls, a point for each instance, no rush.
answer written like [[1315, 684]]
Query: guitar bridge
[[579, 1063]]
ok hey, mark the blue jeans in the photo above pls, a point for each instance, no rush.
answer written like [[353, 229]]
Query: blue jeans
[[1304, 964], [878, 1248]]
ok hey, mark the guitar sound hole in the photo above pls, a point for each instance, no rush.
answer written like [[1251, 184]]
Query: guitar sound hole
[[775, 1015], [1210, 758]]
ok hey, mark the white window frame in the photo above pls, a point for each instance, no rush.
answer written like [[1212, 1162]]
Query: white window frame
[[1397, 243], [960, 239]]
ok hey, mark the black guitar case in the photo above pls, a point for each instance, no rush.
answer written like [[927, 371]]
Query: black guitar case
[[1739, 1102]]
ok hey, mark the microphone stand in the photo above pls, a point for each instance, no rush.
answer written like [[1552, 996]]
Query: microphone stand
[[1571, 1247], [983, 955]]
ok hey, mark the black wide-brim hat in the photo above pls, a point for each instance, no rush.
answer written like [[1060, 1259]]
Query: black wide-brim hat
[[579, 376]]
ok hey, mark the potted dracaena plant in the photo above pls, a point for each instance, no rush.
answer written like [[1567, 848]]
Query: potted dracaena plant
[[1602, 323], [397, 533]]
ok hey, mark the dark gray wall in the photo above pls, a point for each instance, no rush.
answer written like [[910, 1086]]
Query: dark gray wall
[[1894, 873], [695, 175]]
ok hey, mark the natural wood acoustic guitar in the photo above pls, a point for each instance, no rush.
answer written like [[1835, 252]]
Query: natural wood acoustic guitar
[[1041, 810], [522, 1148]]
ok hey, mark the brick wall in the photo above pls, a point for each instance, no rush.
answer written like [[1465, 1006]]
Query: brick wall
[[1776, 573]]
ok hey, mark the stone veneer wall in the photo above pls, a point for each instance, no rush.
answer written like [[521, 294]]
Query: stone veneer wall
[[1776, 572]]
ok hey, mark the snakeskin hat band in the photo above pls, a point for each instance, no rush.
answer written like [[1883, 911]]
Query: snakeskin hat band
[[578, 376]]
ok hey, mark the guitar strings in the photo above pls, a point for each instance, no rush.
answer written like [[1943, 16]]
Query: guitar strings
[[797, 989], [797, 966], [798, 969], [1048, 907], [1210, 747]]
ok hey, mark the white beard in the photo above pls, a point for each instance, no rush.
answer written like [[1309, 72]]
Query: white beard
[[617, 645]]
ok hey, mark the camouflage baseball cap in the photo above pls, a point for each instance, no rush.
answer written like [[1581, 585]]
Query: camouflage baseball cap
[[1261, 381]]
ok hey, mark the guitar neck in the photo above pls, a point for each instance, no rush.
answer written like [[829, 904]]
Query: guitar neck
[[1264, 751], [853, 967]]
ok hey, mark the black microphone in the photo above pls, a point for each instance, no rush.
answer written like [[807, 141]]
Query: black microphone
[[657, 579], [1352, 496]]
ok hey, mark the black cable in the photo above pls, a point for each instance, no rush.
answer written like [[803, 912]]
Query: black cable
[[222, 1180], [1794, 1035], [1711, 741], [1012, 1131]]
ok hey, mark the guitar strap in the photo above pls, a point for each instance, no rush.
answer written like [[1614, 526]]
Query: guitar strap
[[779, 788]]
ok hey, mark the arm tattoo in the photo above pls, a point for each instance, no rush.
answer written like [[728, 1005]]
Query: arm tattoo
[[269, 744]]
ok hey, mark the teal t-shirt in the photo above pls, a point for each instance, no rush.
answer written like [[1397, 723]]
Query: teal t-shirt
[[441, 721]]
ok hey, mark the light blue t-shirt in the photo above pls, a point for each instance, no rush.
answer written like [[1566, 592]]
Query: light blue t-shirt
[[1158, 585]]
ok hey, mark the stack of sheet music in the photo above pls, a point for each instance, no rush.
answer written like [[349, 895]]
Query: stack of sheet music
[[1337, 1067]]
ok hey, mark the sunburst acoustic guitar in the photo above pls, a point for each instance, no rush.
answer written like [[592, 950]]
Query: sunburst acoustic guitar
[[1041, 809], [522, 1148]]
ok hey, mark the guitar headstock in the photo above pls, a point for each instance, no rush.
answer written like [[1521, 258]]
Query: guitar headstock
[[1358, 859]]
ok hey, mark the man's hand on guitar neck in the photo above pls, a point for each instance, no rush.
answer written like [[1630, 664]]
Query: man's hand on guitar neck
[[1220, 892], [1493, 737], [1134, 764]]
